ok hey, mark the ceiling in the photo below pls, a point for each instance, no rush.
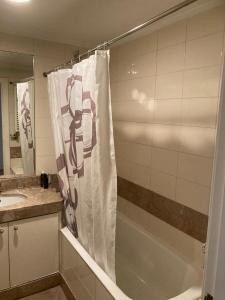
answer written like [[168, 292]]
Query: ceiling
[[16, 61], [83, 23]]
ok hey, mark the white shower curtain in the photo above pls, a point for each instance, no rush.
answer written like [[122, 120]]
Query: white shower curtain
[[80, 105], [25, 113]]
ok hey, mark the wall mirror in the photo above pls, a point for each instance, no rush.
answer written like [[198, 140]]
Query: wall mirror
[[17, 141]]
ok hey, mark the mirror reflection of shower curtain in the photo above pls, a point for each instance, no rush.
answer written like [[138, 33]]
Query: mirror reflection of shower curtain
[[25, 116]]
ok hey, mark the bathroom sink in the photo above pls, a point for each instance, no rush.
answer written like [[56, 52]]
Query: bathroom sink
[[6, 200]]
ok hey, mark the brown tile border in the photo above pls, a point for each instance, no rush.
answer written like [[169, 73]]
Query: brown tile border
[[13, 182], [179, 216], [32, 287], [15, 152], [9, 182]]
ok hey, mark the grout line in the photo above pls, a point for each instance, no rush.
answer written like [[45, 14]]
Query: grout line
[[150, 168], [120, 81], [174, 125]]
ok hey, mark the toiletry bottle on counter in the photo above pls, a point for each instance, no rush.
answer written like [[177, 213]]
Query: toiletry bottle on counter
[[42, 179], [45, 181]]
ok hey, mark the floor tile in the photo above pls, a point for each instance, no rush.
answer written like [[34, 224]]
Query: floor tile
[[51, 294]]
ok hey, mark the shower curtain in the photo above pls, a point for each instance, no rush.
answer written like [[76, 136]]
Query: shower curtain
[[80, 105], [25, 113]]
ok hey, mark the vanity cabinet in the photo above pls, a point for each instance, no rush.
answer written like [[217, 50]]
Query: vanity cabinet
[[30, 250], [33, 245], [4, 257]]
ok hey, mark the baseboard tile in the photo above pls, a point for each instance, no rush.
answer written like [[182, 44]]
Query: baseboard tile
[[32, 287], [66, 289]]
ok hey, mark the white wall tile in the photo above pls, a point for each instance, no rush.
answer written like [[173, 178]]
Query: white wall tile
[[197, 140], [163, 184], [193, 195], [164, 160], [133, 111], [143, 65], [167, 111], [139, 66], [120, 71], [138, 89], [195, 168], [137, 47], [171, 59], [171, 35], [133, 132], [169, 86], [205, 23], [202, 82], [140, 175], [206, 51], [166, 136], [142, 89], [123, 168], [137, 153], [199, 112]]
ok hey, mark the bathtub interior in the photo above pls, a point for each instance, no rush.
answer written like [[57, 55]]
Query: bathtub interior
[[145, 267]]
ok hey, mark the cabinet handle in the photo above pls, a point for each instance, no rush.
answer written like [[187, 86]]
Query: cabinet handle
[[1, 231], [16, 228]]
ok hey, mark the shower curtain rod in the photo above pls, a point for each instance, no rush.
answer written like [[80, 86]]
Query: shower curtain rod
[[22, 80], [123, 35]]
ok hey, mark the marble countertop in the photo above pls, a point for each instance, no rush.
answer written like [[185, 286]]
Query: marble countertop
[[37, 202]]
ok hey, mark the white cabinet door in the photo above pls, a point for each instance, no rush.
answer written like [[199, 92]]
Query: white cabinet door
[[4, 257], [33, 247]]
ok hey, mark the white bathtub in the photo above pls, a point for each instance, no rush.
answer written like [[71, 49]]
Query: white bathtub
[[145, 269]]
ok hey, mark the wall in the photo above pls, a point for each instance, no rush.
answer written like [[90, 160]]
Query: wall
[[46, 56], [165, 92]]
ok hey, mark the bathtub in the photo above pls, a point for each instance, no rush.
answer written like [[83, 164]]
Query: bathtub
[[145, 269]]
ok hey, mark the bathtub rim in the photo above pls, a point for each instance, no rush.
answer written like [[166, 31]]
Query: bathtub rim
[[106, 281]]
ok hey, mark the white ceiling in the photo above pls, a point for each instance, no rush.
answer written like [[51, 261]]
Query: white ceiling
[[16, 61], [79, 22]]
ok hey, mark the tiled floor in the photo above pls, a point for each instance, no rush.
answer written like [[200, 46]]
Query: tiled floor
[[51, 294]]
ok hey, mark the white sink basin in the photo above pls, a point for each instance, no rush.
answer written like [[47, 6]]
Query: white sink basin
[[6, 200]]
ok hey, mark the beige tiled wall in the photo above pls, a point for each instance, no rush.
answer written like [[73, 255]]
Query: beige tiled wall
[[46, 56], [165, 92]]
